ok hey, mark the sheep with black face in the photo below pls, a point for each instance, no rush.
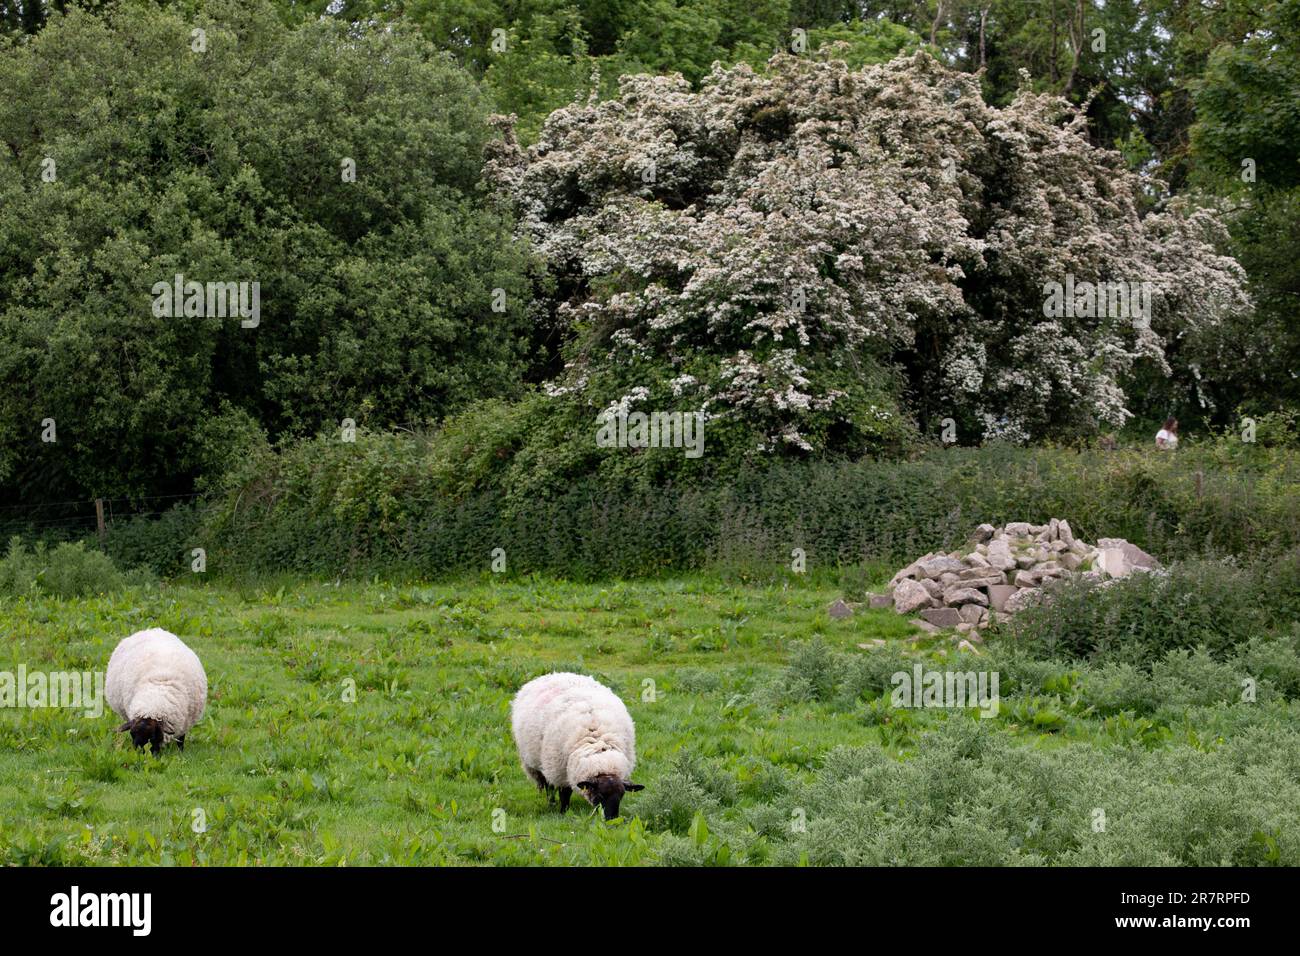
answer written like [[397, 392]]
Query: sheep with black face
[[157, 685], [574, 732]]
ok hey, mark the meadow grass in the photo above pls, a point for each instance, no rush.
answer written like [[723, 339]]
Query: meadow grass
[[420, 769]]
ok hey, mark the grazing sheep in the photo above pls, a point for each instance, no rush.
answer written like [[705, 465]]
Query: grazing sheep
[[573, 731], [157, 685]]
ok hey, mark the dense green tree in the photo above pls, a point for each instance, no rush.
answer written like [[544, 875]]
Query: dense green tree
[[1245, 146], [132, 149]]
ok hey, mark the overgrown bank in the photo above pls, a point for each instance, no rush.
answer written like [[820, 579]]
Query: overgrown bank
[[328, 507]]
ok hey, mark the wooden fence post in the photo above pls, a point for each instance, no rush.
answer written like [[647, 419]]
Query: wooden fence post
[[99, 521]]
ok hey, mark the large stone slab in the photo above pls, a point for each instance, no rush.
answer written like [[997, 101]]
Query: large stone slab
[[942, 616], [1134, 555], [1113, 562], [937, 567], [984, 580]]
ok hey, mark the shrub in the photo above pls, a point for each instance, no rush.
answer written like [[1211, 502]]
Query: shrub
[[1217, 605], [161, 544], [672, 804], [969, 795], [428, 504], [69, 570]]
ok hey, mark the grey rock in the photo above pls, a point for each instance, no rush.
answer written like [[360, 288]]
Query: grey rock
[[839, 610], [910, 596], [999, 594], [1000, 555], [1134, 555], [937, 567], [955, 596], [1113, 563], [942, 616], [880, 600], [985, 580], [1025, 597]]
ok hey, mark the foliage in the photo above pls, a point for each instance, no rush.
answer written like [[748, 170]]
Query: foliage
[[326, 507], [788, 249], [417, 768], [66, 571], [1216, 605], [1244, 143], [377, 296]]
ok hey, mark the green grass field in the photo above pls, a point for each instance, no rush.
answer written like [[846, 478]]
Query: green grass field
[[737, 747]]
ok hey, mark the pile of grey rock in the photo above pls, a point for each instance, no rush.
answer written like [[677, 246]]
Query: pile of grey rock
[[1001, 571]]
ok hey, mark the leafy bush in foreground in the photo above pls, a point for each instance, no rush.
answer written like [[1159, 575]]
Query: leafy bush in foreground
[[69, 570], [1218, 605], [971, 796]]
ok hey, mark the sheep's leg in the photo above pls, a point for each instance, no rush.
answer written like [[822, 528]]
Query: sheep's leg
[[537, 778], [565, 794], [180, 742]]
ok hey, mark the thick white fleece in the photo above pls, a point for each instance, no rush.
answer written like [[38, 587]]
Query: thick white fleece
[[153, 674], [571, 728]]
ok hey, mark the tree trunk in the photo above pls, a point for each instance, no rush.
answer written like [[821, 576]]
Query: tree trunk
[[984, 15], [33, 15], [934, 26], [1076, 41]]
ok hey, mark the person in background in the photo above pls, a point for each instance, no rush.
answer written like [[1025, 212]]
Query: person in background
[[1167, 437]]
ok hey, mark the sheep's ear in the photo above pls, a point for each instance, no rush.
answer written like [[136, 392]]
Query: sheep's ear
[[586, 785], [633, 787], [125, 726]]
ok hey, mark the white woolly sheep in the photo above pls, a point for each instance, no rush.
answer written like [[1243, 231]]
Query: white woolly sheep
[[157, 685], [573, 731]]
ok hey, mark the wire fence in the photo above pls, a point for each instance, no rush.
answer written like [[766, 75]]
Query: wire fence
[[81, 517]]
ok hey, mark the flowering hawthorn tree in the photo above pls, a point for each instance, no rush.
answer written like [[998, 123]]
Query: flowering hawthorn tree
[[823, 255]]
